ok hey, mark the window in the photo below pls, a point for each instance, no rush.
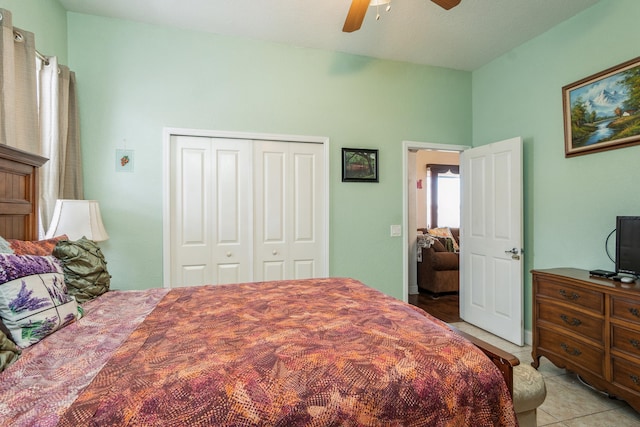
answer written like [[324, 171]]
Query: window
[[443, 196]]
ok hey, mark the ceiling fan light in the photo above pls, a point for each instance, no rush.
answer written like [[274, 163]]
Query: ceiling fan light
[[379, 2]]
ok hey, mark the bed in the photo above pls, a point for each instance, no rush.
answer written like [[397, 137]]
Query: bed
[[318, 352]]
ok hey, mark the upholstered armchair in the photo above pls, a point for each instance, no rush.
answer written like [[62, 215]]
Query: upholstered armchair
[[438, 263]]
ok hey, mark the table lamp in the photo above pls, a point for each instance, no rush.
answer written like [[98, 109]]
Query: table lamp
[[77, 219]]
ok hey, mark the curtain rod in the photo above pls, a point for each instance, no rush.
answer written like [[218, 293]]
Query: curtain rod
[[42, 57], [19, 37]]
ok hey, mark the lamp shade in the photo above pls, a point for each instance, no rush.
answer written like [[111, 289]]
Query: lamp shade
[[76, 219]]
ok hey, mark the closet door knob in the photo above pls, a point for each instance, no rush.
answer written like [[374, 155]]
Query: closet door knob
[[275, 252], [229, 254]]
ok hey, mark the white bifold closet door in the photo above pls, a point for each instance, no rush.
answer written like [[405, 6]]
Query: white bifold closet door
[[210, 226], [289, 240], [243, 210]]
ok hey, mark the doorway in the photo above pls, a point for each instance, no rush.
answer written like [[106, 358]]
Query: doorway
[[491, 282], [410, 150]]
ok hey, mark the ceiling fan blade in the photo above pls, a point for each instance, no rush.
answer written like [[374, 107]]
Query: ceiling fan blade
[[446, 4], [356, 14]]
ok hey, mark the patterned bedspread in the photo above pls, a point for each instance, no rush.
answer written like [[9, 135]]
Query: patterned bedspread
[[48, 376], [322, 352]]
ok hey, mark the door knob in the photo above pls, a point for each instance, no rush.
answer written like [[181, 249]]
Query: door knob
[[229, 254], [275, 252], [514, 253]]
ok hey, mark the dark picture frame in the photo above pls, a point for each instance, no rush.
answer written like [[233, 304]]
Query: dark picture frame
[[602, 111], [359, 165]]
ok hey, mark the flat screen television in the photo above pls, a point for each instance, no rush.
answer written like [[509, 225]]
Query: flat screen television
[[628, 245]]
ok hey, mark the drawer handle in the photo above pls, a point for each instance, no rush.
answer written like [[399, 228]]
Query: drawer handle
[[572, 322], [572, 296], [572, 352], [635, 343], [635, 379], [635, 312]]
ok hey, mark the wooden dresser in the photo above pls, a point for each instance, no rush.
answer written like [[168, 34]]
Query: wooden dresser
[[590, 326]]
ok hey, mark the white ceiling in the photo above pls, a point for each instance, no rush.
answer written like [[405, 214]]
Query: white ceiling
[[418, 31]]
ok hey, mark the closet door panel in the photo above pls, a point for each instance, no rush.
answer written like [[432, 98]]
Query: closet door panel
[[193, 275], [273, 204], [228, 189], [307, 239], [190, 203], [303, 198], [211, 230], [272, 201], [232, 230], [273, 270], [304, 269]]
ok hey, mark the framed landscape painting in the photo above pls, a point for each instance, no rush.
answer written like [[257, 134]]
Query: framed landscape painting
[[359, 165], [602, 111]]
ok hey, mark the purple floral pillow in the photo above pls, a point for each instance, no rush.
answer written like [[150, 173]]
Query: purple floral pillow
[[15, 266], [33, 298]]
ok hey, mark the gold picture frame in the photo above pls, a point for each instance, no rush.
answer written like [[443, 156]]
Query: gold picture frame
[[602, 111]]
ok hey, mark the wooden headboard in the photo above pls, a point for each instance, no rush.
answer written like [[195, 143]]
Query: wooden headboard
[[19, 193]]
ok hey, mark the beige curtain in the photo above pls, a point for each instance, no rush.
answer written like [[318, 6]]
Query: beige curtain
[[61, 176], [72, 183], [39, 114], [18, 107]]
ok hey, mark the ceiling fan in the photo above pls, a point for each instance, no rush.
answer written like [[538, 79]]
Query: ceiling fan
[[358, 10]]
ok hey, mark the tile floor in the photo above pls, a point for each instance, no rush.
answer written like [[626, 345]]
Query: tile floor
[[569, 403]]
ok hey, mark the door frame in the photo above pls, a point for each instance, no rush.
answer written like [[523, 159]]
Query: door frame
[[408, 146], [169, 132]]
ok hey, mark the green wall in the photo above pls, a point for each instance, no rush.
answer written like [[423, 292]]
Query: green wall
[[570, 203], [47, 19], [135, 79]]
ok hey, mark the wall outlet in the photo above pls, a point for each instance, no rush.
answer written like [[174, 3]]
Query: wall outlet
[[396, 230]]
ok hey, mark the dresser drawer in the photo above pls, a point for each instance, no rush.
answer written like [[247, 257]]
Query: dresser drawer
[[625, 340], [570, 294], [626, 374], [625, 309], [561, 315], [587, 356]]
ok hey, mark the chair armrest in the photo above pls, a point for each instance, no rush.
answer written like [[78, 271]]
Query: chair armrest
[[442, 261]]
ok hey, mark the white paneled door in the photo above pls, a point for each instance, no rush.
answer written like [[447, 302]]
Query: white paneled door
[[491, 285], [211, 232], [244, 210], [289, 238]]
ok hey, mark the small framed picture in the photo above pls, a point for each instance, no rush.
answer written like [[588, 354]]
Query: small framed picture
[[359, 165], [602, 111], [124, 160]]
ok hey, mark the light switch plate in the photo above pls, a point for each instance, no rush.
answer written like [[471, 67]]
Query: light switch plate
[[396, 230]]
